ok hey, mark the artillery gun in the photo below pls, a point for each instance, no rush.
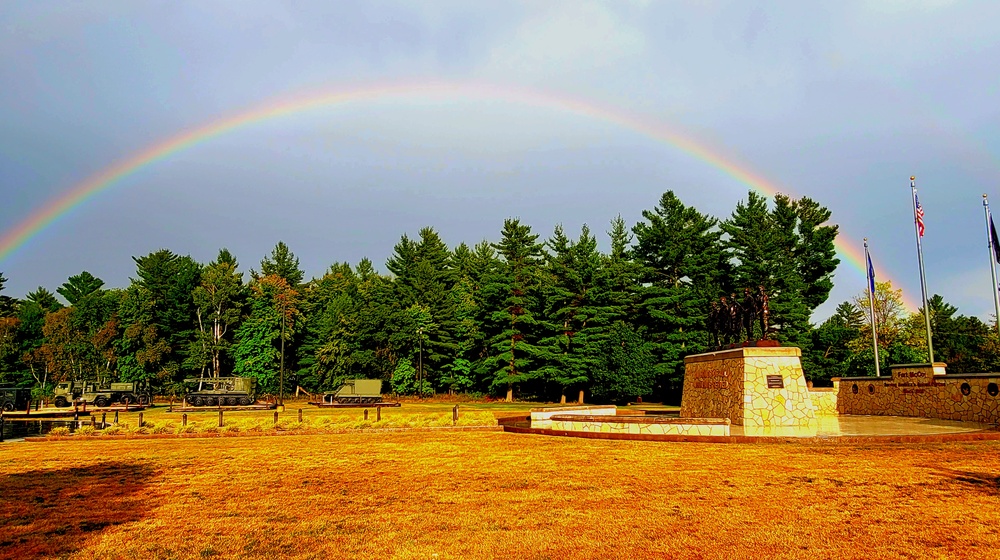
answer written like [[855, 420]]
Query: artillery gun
[[222, 391], [101, 394], [356, 391]]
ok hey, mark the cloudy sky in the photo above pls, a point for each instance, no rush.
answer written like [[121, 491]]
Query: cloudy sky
[[457, 115]]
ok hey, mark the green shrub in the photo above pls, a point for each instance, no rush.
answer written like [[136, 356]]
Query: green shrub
[[440, 421], [86, 430], [114, 430], [59, 431], [191, 428], [476, 419], [166, 428]]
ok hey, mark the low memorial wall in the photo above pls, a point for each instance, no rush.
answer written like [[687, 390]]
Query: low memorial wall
[[922, 390], [652, 425], [541, 417]]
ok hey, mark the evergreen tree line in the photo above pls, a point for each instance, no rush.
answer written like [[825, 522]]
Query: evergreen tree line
[[521, 316]]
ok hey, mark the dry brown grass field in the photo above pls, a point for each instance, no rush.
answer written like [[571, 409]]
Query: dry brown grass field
[[494, 495]]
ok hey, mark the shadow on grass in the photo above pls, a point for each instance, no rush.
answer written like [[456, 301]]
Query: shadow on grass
[[46, 513], [987, 483]]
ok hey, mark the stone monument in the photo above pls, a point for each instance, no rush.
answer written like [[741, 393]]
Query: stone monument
[[756, 387]]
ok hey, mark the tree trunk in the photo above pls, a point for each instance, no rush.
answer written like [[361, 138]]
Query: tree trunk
[[510, 393], [581, 397], [562, 399]]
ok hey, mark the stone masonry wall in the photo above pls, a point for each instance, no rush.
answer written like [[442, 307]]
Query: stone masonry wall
[[754, 387], [825, 401], [919, 391]]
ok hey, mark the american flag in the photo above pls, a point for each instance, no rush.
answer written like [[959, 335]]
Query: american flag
[[920, 215]]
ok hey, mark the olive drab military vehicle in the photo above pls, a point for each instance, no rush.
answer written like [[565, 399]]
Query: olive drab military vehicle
[[14, 398], [221, 391], [101, 394], [356, 391]]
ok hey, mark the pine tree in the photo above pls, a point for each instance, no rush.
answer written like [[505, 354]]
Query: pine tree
[[573, 320], [45, 299], [169, 281], [282, 263], [79, 287], [790, 252], [424, 279], [683, 270], [515, 291]]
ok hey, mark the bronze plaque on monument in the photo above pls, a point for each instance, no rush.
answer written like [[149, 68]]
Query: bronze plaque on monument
[[775, 382]]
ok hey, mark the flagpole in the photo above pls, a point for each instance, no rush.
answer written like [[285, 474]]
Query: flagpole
[[870, 273], [920, 259], [993, 253]]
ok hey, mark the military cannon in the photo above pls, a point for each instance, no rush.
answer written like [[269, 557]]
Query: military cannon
[[222, 391], [356, 391]]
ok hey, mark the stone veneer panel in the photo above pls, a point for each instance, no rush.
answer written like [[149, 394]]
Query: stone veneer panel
[[825, 401], [540, 416], [733, 384], [641, 425], [921, 390]]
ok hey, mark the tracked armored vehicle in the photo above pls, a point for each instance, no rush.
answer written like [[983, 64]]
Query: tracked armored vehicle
[[356, 391], [101, 394], [222, 391]]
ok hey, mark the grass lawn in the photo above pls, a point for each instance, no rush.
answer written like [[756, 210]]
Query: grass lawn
[[494, 495]]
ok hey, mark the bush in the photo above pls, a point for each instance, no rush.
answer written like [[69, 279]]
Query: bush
[[114, 430], [59, 431], [86, 430], [440, 421], [476, 419], [167, 428], [191, 428]]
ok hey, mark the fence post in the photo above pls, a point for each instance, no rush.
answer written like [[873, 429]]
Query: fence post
[[366, 414], [454, 415], [2, 420], [275, 417], [378, 413], [27, 411], [300, 416], [184, 419], [93, 422], [76, 411], [104, 420], [116, 417], [220, 417], [140, 420]]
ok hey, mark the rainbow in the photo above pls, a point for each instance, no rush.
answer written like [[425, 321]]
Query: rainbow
[[22, 232]]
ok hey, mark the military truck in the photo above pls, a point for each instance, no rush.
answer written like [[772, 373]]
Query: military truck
[[14, 398], [222, 391], [356, 391], [101, 394]]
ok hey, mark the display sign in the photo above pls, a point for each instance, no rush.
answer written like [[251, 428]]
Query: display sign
[[775, 382]]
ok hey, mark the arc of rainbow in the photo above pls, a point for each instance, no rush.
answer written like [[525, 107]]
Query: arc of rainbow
[[22, 232]]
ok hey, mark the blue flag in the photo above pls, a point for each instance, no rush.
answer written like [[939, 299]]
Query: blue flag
[[871, 274]]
